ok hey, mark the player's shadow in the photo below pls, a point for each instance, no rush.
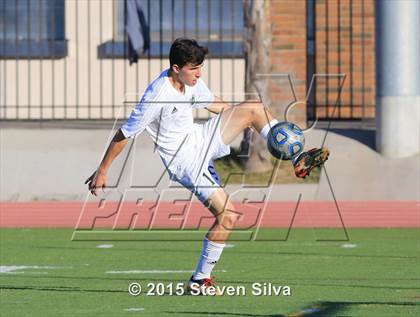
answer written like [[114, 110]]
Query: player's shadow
[[318, 310], [321, 309], [207, 313]]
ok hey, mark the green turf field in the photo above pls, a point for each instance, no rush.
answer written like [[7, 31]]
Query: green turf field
[[377, 274]]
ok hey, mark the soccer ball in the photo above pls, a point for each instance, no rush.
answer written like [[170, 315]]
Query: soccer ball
[[285, 140]]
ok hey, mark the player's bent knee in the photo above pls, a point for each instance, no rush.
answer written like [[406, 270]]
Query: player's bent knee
[[255, 109], [250, 110], [229, 220]]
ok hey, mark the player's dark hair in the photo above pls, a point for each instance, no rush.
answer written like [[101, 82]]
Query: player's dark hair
[[185, 51]]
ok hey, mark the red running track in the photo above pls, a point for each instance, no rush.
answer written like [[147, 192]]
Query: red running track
[[193, 215]]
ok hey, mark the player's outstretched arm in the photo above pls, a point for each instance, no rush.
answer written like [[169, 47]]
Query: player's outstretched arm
[[98, 179]]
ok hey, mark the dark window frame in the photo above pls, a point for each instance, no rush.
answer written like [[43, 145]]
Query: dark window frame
[[52, 45], [230, 46], [217, 49]]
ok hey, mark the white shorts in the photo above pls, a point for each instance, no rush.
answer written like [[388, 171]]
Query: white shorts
[[204, 144]]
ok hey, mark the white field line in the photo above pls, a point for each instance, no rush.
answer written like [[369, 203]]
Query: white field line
[[134, 309], [105, 246], [349, 246], [14, 268]]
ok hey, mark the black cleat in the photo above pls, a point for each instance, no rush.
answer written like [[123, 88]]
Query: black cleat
[[201, 287], [307, 161]]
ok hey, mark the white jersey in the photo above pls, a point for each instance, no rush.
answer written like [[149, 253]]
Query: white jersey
[[166, 114]]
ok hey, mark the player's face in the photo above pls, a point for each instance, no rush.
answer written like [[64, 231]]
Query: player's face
[[189, 74]]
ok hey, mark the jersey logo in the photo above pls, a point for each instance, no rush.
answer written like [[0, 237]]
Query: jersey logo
[[174, 110], [192, 100]]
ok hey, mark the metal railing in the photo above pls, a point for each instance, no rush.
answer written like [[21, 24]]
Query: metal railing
[[67, 59], [341, 40]]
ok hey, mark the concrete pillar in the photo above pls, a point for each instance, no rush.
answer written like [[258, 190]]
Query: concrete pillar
[[398, 77]]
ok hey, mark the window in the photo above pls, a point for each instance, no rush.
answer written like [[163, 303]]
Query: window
[[218, 24], [32, 29]]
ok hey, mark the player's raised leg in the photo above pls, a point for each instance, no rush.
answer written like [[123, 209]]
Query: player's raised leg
[[245, 115], [256, 115]]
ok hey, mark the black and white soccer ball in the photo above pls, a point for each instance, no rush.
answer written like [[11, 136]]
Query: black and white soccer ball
[[285, 140]]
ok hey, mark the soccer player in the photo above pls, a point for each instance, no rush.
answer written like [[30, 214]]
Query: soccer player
[[187, 149]]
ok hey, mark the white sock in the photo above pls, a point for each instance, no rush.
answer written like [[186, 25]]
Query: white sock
[[209, 256], [264, 131]]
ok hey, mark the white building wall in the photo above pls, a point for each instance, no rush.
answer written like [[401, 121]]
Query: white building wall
[[82, 86]]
